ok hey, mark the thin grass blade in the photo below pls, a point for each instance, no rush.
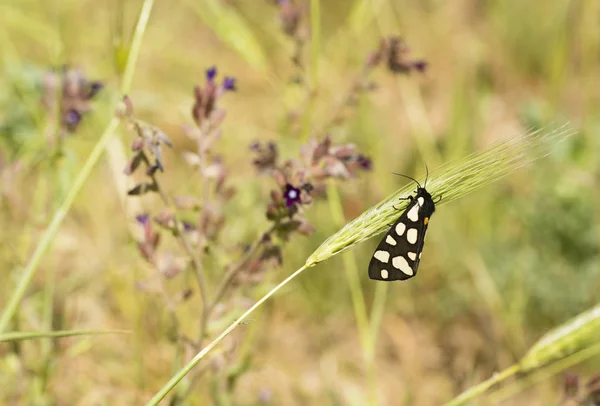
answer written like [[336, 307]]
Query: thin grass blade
[[30, 335]]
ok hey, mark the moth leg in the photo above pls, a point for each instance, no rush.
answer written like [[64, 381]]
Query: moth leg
[[440, 198], [411, 198]]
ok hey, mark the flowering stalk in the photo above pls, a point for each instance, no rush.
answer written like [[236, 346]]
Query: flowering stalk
[[150, 141]]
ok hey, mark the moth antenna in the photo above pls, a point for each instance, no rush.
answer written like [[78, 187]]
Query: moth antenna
[[408, 177], [426, 174]]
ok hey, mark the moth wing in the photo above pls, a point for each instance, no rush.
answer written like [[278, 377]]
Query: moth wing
[[396, 258]]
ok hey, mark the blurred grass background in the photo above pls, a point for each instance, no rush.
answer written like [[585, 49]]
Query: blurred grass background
[[501, 266]]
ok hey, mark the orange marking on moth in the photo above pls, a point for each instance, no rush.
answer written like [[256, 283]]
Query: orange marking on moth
[[426, 220]]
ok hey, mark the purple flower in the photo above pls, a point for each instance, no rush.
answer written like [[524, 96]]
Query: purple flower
[[229, 83], [72, 119], [291, 195], [142, 218], [420, 66], [364, 162], [187, 226], [211, 73]]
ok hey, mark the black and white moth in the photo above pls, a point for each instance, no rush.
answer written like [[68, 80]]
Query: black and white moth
[[398, 254]]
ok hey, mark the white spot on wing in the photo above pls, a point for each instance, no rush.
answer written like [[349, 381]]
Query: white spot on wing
[[400, 227], [413, 214], [421, 201], [390, 240], [412, 255], [411, 235], [383, 256], [402, 264], [384, 274]]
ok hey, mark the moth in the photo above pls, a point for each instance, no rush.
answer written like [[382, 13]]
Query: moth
[[398, 254]]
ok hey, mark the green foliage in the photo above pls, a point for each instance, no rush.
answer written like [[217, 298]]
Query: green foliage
[[19, 121], [502, 266]]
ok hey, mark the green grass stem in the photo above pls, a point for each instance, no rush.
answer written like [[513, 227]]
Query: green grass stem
[[546, 372], [558, 349], [188, 367], [358, 298], [579, 332], [30, 335], [484, 386]]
